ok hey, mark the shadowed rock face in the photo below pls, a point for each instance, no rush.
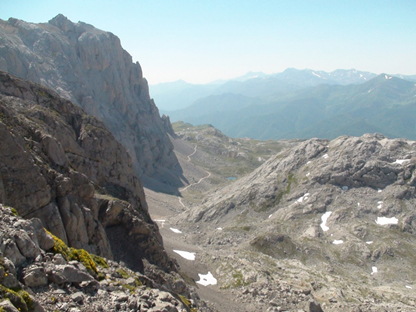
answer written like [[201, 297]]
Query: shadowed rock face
[[90, 68], [62, 166]]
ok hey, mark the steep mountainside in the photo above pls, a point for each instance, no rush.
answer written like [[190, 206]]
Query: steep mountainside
[[89, 67], [63, 171], [330, 221], [62, 166]]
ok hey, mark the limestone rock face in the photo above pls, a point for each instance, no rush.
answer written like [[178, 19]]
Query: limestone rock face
[[90, 68], [67, 171]]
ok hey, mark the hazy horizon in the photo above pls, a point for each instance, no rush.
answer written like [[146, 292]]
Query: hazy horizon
[[200, 42]]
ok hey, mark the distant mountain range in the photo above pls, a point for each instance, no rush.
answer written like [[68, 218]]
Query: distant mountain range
[[180, 94], [305, 104]]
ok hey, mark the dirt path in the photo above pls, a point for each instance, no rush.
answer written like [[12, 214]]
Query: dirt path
[[200, 180]]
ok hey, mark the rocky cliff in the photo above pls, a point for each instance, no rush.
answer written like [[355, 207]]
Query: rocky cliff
[[62, 171], [90, 68]]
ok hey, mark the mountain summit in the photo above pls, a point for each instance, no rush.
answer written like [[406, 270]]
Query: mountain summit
[[89, 67]]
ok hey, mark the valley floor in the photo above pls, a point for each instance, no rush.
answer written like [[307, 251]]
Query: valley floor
[[163, 207]]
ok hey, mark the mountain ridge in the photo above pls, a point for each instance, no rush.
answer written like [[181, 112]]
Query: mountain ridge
[[302, 113]]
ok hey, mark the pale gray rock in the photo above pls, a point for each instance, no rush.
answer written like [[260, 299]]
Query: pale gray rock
[[77, 297], [89, 67], [54, 150], [7, 306], [35, 276], [70, 273], [26, 245], [12, 252], [41, 238]]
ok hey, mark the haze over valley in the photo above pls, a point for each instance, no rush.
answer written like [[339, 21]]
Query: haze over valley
[[297, 104]]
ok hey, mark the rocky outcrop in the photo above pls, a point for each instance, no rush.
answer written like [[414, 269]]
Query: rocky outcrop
[[62, 166], [336, 217], [38, 273], [346, 163], [90, 68]]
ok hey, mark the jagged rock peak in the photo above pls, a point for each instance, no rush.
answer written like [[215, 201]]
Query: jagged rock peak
[[63, 23], [89, 67]]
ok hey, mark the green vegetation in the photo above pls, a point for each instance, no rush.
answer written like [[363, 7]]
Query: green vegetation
[[123, 273], [187, 303], [21, 301], [100, 261], [85, 258], [81, 255], [236, 281], [180, 125], [27, 299]]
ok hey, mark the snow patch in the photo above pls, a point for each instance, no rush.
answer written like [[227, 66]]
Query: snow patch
[[358, 204], [337, 242], [324, 218], [219, 229], [175, 230], [401, 161], [207, 279], [186, 254], [308, 174], [325, 156], [385, 220], [369, 242], [379, 190], [316, 75], [409, 287], [374, 270], [379, 204], [303, 198], [161, 221], [387, 77], [308, 162], [270, 216], [345, 188]]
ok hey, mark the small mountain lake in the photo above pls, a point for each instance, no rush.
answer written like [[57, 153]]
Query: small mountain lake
[[231, 178]]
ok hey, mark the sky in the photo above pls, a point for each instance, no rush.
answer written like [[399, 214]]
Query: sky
[[202, 41]]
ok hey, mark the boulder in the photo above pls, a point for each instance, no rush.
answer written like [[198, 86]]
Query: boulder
[[35, 276]]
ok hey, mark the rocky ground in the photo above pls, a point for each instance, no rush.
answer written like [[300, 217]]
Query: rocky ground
[[40, 273], [264, 240]]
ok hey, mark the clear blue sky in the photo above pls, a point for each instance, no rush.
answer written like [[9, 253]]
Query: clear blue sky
[[204, 40]]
